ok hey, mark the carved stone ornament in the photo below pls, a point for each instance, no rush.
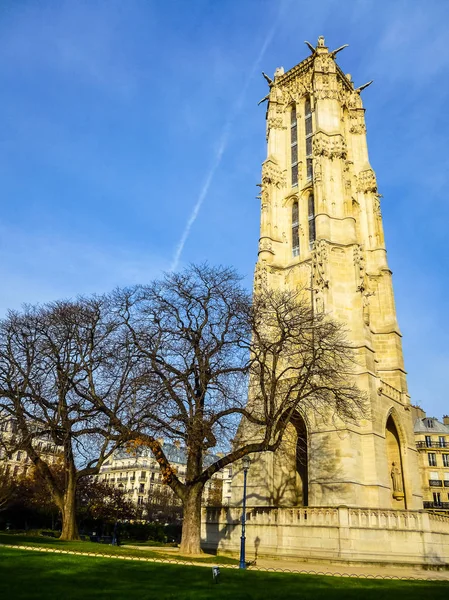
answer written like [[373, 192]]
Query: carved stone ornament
[[265, 245], [319, 302], [275, 123], [366, 181], [347, 175], [326, 93], [396, 479], [366, 306], [359, 264], [317, 173], [272, 174], [320, 264], [299, 86], [354, 100], [260, 276], [331, 146], [357, 127], [277, 95], [325, 63]]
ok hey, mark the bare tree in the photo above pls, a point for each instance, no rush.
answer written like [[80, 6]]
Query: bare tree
[[201, 340], [45, 354]]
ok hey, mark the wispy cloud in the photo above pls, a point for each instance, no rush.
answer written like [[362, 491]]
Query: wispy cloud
[[40, 267], [224, 138]]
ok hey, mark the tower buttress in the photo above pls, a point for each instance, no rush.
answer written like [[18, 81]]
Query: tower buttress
[[321, 222]]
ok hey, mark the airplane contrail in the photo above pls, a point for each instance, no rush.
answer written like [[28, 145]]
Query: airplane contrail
[[222, 146]]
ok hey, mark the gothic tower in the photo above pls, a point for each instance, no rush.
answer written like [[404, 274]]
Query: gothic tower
[[321, 226]]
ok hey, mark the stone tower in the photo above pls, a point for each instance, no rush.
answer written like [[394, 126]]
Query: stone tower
[[321, 226]]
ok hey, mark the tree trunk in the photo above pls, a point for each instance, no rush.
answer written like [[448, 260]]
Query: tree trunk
[[191, 525], [69, 525]]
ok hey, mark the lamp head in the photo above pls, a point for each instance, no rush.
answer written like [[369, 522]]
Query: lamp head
[[246, 462]]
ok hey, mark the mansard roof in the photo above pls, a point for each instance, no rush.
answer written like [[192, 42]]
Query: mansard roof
[[429, 425], [175, 454]]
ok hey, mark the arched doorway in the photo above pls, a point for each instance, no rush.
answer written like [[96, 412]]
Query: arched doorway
[[395, 469], [291, 466]]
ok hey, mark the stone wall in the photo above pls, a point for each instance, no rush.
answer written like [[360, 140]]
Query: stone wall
[[332, 534]]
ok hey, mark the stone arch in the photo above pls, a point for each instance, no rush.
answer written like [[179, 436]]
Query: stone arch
[[395, 443], [291, 465], [289, 200]]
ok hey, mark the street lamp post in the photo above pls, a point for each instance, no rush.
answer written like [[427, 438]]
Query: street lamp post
[[246, 463], [114, 535]]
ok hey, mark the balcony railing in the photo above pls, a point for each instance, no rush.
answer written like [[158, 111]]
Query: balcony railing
[[137, 464], [435, 483], [422, 444], [440, 505], [446, 483]]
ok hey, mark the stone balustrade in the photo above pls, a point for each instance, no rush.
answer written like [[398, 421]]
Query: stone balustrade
[[391, 392], [332, 533]]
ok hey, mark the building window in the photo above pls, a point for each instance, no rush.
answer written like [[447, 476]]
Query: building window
[[294, 145], [311, 217], [141, 488], [442, 441], [295, 228], [19, 455], [428, 441], [432, 459], [436, 498], [309, 133], [445, 460], [429, 423]]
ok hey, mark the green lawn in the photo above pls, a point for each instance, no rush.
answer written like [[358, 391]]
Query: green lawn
[[91, 547], [27, 574]]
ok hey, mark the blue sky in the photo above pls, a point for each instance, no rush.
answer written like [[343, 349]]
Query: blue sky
[[119, 118]]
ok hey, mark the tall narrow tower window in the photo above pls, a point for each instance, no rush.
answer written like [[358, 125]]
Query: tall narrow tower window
[[294, 146], [311, 217], [309, 132], [295, 229]]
